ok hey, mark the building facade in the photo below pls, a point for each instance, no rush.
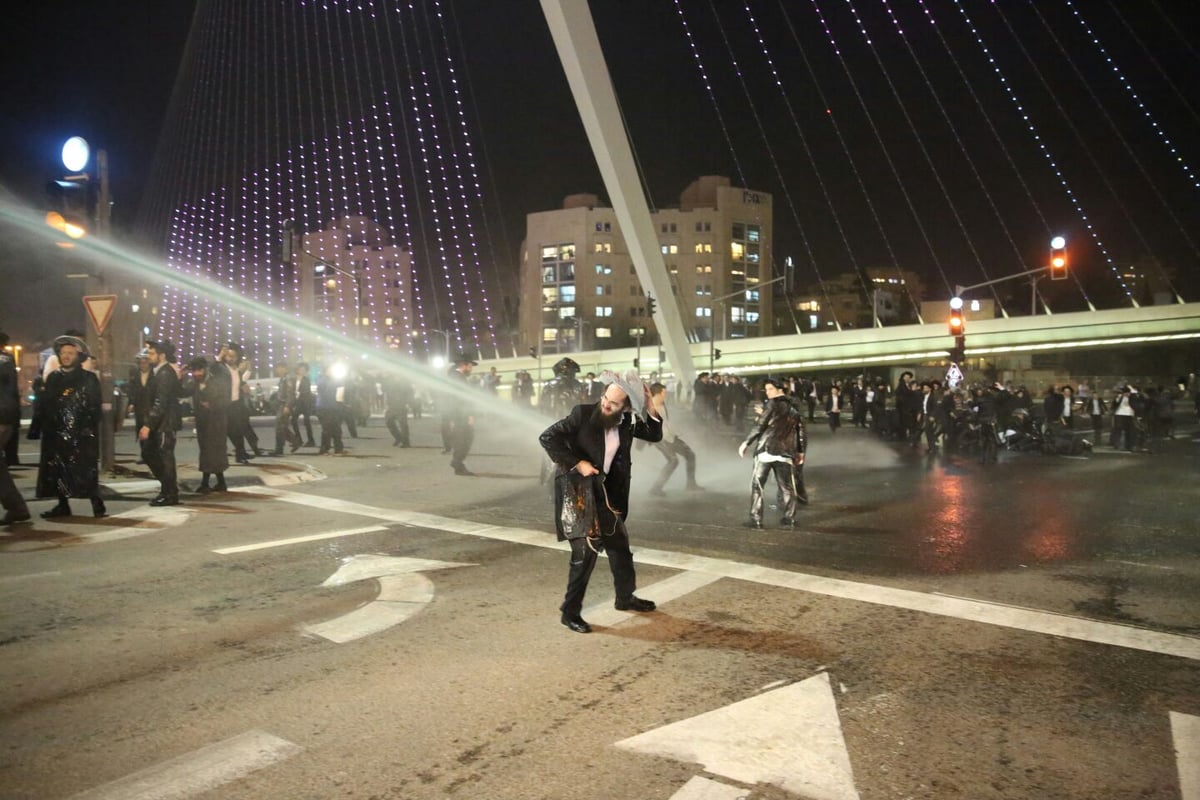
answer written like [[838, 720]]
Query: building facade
[[353, 280], [580, 290]]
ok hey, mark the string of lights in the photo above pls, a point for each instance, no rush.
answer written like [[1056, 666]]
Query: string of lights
[[1045, 151]]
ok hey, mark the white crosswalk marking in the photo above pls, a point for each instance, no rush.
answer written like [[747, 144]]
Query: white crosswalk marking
[[200, 771]]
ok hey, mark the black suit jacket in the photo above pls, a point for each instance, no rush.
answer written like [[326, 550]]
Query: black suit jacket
[[579, 437], [164, 390]]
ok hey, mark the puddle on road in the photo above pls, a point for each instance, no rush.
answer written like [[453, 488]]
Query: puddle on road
[[662, 628]]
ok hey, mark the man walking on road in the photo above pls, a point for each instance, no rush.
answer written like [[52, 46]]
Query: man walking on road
[[460, 415], [591, 449], [70, 423], [163, 420]]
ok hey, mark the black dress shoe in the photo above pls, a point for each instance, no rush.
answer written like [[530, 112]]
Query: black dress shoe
[[61, 510], [635, 604], [576, 624], [164, 501], [98, 509]]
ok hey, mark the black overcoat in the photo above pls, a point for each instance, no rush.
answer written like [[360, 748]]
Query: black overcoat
[[579, 436], [69, 410]]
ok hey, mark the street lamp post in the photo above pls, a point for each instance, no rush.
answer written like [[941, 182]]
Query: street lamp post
[[356, 277]]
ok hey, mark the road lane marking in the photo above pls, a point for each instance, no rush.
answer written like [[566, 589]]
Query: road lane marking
[[984, 611], [664, 591], [52, 574], [316, 537], [1185, 731], [701, 788], [200, 771], [789, 737]]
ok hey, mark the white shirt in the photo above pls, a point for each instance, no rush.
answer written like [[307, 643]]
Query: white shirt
[[612, 442]]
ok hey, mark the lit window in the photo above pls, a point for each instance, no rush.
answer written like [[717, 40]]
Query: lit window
[[752, 317], [753, 233], [598, 247], [737, 313], [549, 294], [549, 334], [708, 269], [703, 312], [664, 249], [699, 247], [737, 251], [674, 247], [603, 311], [566, 312], [567, 292], [603, 333], [608, 247], [550, 252]]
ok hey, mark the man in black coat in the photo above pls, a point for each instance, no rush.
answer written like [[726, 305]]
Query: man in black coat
[[70, 424], [163, 420], [11, 500], [594, 442]]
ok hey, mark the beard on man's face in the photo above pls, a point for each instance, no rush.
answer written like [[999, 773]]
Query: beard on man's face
[[607, 420]]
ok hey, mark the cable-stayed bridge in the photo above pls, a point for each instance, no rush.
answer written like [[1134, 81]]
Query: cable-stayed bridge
[[850, 351]]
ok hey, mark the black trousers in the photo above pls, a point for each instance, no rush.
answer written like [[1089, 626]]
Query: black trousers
[[397, 425], [462, 436], [296, 414], [583, 561], [331, 429], [10, 497], [791, 488], [237, 417], [283, 433], [158, 451]]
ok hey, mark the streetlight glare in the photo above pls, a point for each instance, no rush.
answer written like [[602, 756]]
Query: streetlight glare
[[1058, 242], [75, 153], [956, 303]]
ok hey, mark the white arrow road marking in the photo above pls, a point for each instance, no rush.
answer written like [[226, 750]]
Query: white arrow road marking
[[1027, 619], [199, 771], [1185, 730], [403, 591], [789, 737], [701, 788]]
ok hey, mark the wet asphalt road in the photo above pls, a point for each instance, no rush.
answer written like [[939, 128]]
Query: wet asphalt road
[[123, 653]]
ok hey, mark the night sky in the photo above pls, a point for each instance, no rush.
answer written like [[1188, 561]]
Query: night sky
[[905, 152]]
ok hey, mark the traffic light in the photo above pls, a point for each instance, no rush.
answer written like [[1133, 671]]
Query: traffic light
[[958, 353], [717, 354], [637, 363], [956, 322], [650, 304], [532, 351], [71, 202], [1058, 259]]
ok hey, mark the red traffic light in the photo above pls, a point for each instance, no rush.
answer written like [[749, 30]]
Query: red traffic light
[[1058, 259]]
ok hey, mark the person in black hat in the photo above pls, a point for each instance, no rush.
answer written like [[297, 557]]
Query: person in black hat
[[460, 414], [237, 411], [70, 422], [590, 448], [11, 500], [163, 421], [210, 395], [781, 441]]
